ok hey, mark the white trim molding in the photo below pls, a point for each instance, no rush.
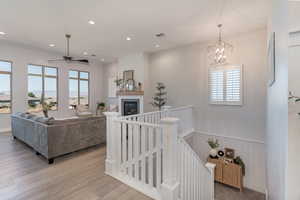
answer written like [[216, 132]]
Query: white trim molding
[[231, 137]]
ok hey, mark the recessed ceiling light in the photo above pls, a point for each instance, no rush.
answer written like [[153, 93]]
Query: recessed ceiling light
[[85, 53], [92, 22], [51, 45], [157, 45], [102, 59], [2, 33], [128, 38]]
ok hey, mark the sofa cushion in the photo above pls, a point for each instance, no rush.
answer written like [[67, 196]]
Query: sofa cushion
[[45, 120], [35, 118], [18, 114], [30, 116], [23, 115]]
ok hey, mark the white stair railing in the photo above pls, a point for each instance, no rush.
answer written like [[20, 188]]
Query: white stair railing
[[140, 155], [150, 117], [196, 179], [148, 153]]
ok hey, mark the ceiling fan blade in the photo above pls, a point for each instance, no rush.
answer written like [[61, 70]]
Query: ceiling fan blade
[[67, 58], [81, 60], [58, 59]]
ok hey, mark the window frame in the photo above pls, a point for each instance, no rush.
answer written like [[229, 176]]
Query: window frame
[[225, 68], [11, 88], [43, 81], [78, 79]]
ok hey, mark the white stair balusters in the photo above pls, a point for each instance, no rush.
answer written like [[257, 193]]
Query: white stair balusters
[[148, 152]]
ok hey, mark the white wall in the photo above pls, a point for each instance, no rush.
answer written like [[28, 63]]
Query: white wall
[[277, 105], [293, 175], [135, 61], [294, 14], [184, 70], [21, 56], [109, 71], [185, 73]]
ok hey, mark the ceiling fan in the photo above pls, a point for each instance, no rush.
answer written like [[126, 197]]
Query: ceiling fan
[[67, 57]]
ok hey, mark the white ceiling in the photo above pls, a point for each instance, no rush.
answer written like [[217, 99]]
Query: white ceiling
[[41, 22]]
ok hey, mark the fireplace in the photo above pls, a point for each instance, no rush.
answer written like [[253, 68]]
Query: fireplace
[[130, 106]]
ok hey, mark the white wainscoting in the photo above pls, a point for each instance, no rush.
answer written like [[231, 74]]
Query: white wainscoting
[[251, 151]]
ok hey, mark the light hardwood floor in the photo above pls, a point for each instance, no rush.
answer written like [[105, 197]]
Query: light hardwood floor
[[77, 176]]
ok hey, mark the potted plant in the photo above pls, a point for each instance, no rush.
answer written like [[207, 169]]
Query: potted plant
[[214, 144], [119, 83], [160, 99], [46, 106], [100, 107], [238, 160]]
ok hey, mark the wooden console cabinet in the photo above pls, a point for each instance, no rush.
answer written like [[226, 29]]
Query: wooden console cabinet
[[228, 173]]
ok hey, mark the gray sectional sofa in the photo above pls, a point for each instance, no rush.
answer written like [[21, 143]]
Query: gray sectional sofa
[[52, 138]]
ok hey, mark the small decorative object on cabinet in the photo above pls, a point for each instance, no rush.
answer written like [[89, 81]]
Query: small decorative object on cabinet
[[228, 173], [229, 153], [221, 153]]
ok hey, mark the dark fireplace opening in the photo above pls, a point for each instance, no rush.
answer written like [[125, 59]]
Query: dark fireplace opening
[[130, 107]]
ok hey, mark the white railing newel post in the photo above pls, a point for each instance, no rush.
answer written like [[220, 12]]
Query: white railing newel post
[[170, 185], [167, 110], [211, 168], [111, 159]]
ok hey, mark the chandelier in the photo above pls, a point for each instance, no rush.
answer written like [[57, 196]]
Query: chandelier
[[219, 51]]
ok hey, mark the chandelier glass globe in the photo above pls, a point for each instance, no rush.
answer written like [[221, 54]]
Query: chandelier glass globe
[[219, 51]]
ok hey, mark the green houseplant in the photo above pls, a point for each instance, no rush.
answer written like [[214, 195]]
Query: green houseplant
[[100, 107], [238, 160], [160, 97], [46, 106], [214, 145]]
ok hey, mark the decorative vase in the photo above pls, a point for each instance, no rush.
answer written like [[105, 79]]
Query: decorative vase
[[100, 110], [213, 153], [45, 112]]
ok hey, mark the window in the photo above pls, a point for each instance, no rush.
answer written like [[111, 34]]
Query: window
[[225, 83], [5, 87], [42, 80], [78, 89]]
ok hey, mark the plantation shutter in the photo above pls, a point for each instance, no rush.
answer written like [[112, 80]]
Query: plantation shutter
[[233, 85], [225, 85], [216, 86]]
